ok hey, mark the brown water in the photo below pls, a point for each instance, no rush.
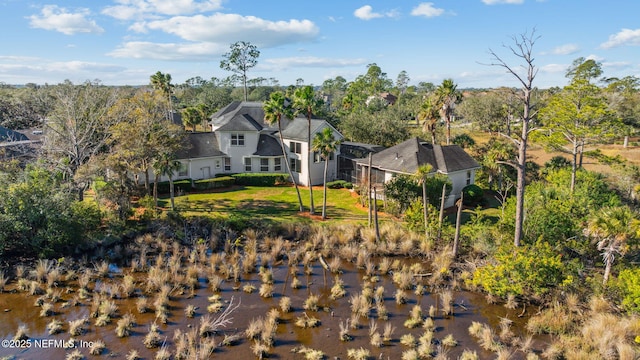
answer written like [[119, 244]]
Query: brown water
[[18, 308]]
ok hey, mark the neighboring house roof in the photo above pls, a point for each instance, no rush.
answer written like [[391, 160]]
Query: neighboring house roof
[[268, 146], [355, 150], [298, 128], [389, 98], [408, 156], [200, 145]]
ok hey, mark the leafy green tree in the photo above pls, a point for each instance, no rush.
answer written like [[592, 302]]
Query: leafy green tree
[[385, 127], [629, 284], [402, 82], [274, 109], [242, 57], [421, 175], [614, 229], [193, 116], [326, 144], [448, 96], [577, 116], [305, 102]]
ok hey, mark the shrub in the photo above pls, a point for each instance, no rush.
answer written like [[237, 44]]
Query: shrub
[[183, 185], [629, 284], [526, 270], [339, 184], [257, 179], [215, 183], [473, 194]]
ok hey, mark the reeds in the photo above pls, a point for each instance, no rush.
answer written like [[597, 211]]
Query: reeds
[[408, 340], [21, 333], [54, 327], [266, 290], [74, 355], [344, 331], [97, 347], [415, 318], [190, 310], [78, 327], [307, 321], [285, 304], [358, 354], [152, 339], [46, 310], [124, 325], [311, 303], [449, 341]]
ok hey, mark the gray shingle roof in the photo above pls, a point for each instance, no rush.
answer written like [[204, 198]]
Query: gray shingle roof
[[7, 135], [298, 128], [408, 156], [242, 116], [200, 145], [268, 146]]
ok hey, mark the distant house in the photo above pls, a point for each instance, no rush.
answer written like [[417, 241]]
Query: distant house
[[408, 156], [240, 141], [350, 153], [23, 145]]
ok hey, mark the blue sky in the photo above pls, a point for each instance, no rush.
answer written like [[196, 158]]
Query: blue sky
[[125, 41]]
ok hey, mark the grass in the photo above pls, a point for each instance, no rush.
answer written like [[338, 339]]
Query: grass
[[277, 204]]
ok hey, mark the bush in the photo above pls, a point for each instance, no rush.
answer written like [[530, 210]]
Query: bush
[[258, 179], [473, 194], [523, 271], [629, 284], [183, 185], [339, 184], [215, 183]]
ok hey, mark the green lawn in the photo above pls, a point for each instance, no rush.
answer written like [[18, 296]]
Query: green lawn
[[278, 203]]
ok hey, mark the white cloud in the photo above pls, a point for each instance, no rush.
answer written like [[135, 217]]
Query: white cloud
[[59, 19], [554, 68], [169, 51], [495, 2], [427, 10], [366, 13], [228, 28], [624, 37], [566, 49], [144, 9], [311, 61]]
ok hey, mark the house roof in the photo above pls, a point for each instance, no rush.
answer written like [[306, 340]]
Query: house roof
[[297, 129], [241, 116], [268, 146], [200, 145], [408, 156]]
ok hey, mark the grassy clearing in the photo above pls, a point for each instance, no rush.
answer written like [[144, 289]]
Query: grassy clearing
[[278, 204]]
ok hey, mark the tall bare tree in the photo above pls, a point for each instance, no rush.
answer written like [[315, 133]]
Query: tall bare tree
[[242, 57], [522, 49]]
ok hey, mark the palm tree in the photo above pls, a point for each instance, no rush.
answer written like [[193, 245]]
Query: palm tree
[[448, 95], [304, 101], [421, 175], [274, 109], [326, 144], [162, 82], [192, 116], [430, 114], [166, 164], [612, 228]]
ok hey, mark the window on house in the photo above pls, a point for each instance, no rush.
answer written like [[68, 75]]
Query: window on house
[[331, 155], [184, 170], [296, 165], [317, 157], [468, 177], [264, 164], [237, 139], [217, 163], [295, 147], [277, 164], [247, 164], [227, 164]]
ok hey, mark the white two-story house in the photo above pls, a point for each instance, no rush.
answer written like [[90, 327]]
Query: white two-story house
[[241, 142]]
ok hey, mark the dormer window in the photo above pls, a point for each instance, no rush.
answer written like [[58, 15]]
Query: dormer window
[[237, 139], [295, 147]]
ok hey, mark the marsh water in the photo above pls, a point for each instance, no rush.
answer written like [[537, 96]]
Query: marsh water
[[17, 308]]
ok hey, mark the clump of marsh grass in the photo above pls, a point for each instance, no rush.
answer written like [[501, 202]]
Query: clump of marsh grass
[[231, 340], [190, 311], [54, 327], [553, 320], [128, 286], [74, 355], [133, 355], [446, 300], [415, 318], [311, 303], [469, 355], [449, 341], [344, 331], [142, 305], [358, 354], [408, 340], [338, 289], [307, 321], [78, 327], [3, 281], [260, 350], [124, 325], [248, 288], [360, 305], [410, 354], [97, 347], [309, 354], [46, 310], [401, 297], [21, 333], [266, 290], [285, 304], [389, 329], [152, 339]]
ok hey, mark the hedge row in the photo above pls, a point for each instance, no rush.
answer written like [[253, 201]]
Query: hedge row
[[224, 180], [257, 179], [215, 183]]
